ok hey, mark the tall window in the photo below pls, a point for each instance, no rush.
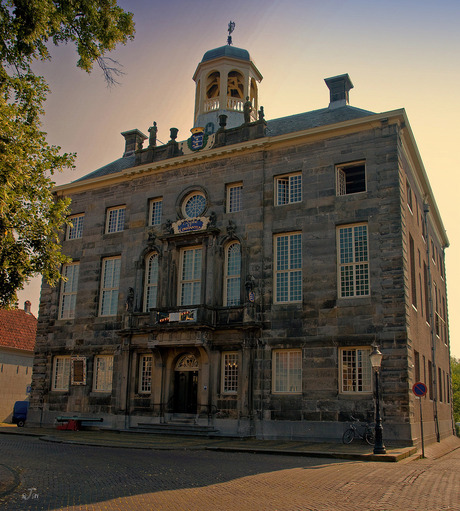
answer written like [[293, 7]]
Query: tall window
[[287, 371], [61, 373], [145, 374], [350, 178], [288, 189], [230, 372], [234, 198], [115, 219], [69, 291], [413, 280], [151, 282], [288, 268], [232, 285], [353, 261], [103, 373], [75, 230], [109, 286], [356, 370], [156, 210], [190, 276]]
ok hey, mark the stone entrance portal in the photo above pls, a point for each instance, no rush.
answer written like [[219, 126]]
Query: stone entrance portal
[[186, 384]]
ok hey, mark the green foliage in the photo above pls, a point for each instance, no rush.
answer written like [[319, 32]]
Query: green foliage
[[31, 217], [455, 367]]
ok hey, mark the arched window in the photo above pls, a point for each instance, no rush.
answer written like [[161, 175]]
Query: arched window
[[232, 284], [151, 282]]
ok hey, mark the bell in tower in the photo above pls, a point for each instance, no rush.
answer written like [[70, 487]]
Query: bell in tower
[[225, 78]]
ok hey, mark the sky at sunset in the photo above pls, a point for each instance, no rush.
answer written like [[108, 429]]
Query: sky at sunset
[[399, 54]]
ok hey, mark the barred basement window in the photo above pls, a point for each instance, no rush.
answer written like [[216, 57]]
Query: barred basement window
[[356, 370], [230, 373], [78, 371], [350, 178]]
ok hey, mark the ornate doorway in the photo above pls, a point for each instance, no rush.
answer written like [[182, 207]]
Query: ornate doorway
[[186, 384]]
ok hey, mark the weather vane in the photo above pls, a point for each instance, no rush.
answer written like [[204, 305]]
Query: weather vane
[[231, 28]]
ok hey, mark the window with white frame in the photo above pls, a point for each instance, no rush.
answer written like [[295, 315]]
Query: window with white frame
[[356, 370], [288, 267], [151, 282], [190, 276], [109, 286], [103, 373], [288, 189], [232, 284], [75, 229], [115, 219], [350, 178], [61, 373], [230, 372], [234, 197], [353, 260], [156, 210], [69, 288], [287, 371], [145, 374]]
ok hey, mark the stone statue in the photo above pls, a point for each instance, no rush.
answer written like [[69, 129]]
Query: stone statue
[[153, 135], [247, 109], [261, 113], [130, 300]]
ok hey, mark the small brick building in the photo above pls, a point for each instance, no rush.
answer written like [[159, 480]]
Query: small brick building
[[241, 276], [17, 342]]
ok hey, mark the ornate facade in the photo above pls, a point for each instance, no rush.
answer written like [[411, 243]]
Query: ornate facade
[[240, 277]]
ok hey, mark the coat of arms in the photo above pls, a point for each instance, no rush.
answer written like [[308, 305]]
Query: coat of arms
[[198, 139]]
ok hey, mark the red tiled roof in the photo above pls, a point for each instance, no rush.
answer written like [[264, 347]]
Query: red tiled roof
[[17, 329]]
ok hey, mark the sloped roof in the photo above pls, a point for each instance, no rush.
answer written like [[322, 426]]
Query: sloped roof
[[314, 119], [17, 329], [280, 126], [226, 51]]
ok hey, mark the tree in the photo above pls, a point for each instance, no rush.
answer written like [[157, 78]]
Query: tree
[[455, 367], [31, 218]]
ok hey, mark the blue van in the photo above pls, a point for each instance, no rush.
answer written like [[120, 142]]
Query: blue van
[[20, 410]]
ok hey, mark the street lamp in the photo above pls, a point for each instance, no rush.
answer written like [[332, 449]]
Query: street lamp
[[376, 361]]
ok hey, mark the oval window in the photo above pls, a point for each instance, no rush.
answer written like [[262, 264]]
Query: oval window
[[194, 205]]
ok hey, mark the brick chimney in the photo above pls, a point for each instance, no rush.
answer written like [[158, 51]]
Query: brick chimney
[[134, 140], [27, 306], [338, 90]]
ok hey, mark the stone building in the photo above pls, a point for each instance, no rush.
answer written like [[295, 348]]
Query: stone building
[[241, 276], [18, 329]]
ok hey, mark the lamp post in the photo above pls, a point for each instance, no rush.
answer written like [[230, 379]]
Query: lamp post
[[376, 361]]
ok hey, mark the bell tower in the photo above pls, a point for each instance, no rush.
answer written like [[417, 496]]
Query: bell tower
[[224, 78]]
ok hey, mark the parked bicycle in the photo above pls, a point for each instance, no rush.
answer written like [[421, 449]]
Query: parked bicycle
[[357, 429]]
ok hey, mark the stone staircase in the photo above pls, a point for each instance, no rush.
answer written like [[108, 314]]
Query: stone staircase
[[178, 424]]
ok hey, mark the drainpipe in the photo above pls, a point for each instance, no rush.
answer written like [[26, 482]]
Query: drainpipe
[[434, 377]]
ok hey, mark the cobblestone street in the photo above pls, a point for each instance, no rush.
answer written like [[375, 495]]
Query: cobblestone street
[[63, 476]]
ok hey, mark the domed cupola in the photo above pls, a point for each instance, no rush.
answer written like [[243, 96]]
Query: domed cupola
[[224, 78]]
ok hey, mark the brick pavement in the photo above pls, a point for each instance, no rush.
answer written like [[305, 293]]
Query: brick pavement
[[96, 478]]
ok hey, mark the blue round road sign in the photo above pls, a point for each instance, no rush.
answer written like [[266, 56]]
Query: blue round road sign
[[419, 389]]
